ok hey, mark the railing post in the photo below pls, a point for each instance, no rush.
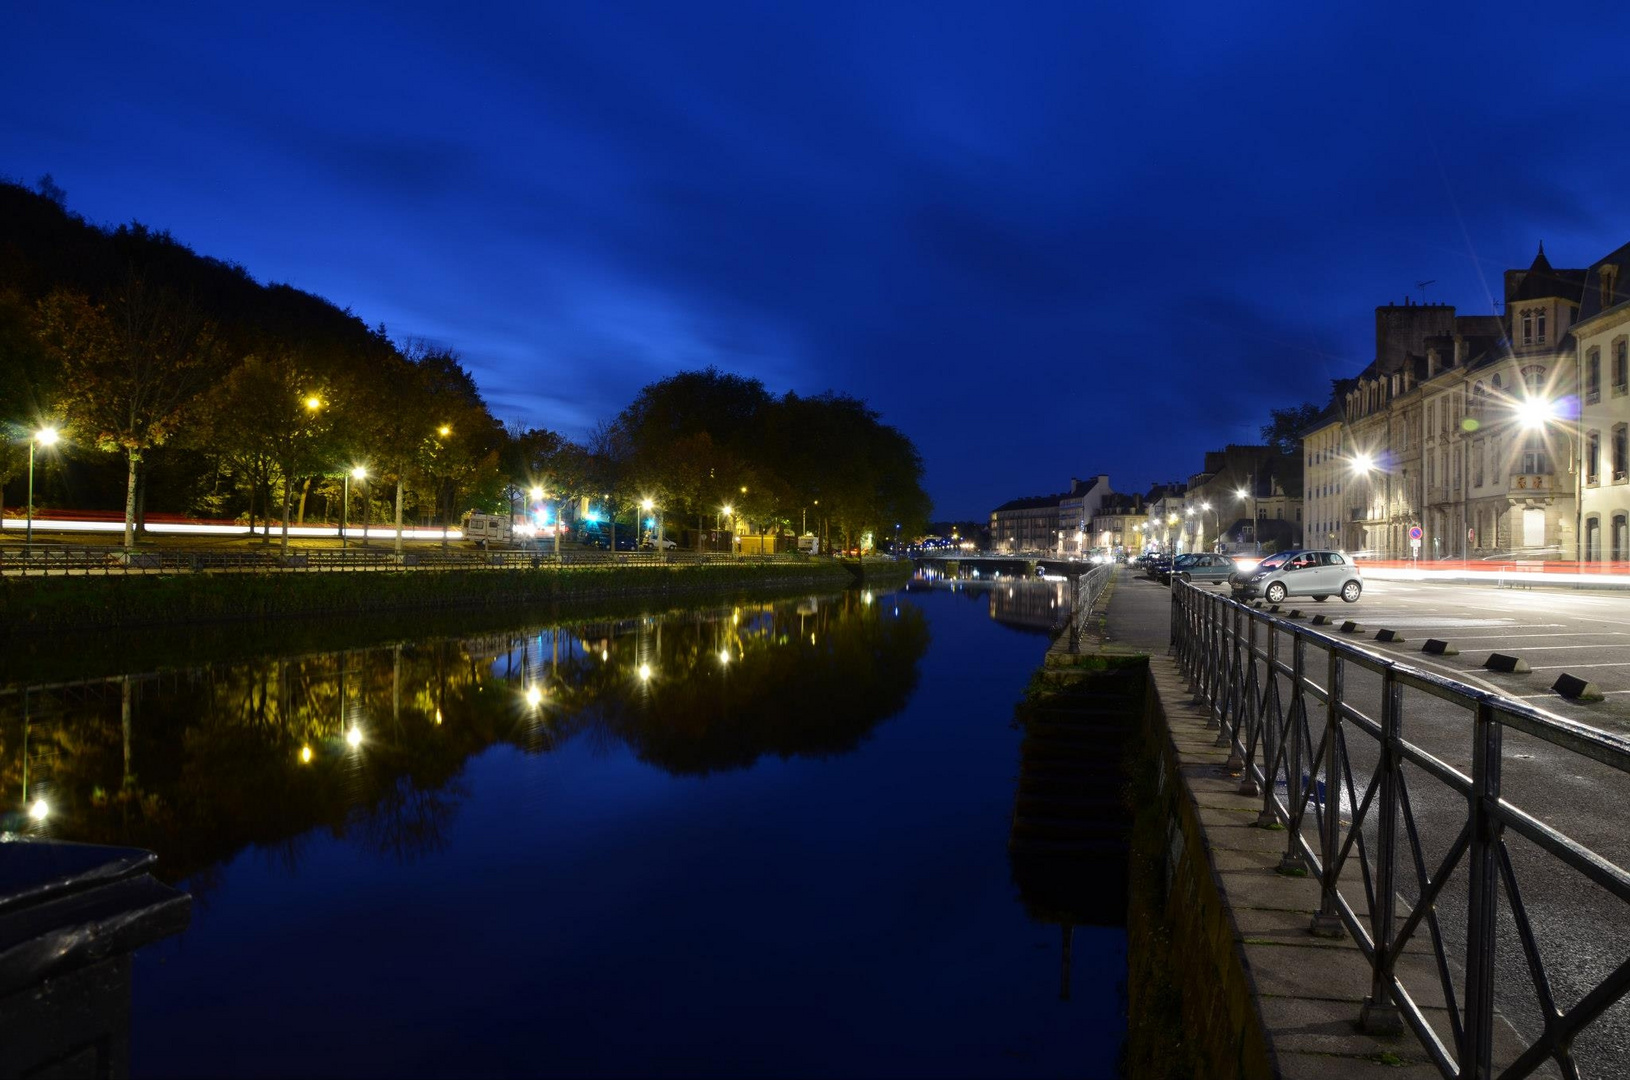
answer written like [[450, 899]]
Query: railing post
[[1234, 689], [1246, 704], [1327, 920], [1483, 896], [1380, 1013], [1257, 735], [1292, 746]]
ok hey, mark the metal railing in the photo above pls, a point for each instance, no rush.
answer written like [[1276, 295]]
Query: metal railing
[[58, 560], [1390, 850], [1084, 592]]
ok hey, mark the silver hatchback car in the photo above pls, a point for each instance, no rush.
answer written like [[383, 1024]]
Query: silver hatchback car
[[1319, 574]]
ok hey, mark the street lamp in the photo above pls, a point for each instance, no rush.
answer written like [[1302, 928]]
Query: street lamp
[[1248, 496], [361, 474], [649, 505], [46, 436], [1366, 465], [728, 511]]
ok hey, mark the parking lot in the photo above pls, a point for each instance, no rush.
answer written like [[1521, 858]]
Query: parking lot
[[1556, 631]]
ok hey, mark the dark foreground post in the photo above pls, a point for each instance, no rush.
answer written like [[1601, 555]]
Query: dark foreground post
[[71, 915]]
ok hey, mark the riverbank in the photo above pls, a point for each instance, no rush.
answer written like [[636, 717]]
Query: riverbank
[[38, 605]]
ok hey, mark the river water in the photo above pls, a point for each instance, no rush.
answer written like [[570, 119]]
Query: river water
[[754, 839]]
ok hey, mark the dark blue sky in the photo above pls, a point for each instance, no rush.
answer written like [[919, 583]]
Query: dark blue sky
[[1042, 240]]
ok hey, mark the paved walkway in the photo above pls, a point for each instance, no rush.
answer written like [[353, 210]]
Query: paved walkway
[[1308, 989]]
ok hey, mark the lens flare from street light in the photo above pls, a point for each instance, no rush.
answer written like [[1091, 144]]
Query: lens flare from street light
[[359, 473], [724, 656], [47, 436], [444, 431], [314, 402], [1535, 412], [645, 672], [354, 737], [729, 510], [536, 493], [647, 504], [1363, 463], [305, 755], [534, 696]]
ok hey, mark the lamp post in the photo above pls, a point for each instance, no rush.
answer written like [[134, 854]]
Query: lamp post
[[1248, 496], [648, 505], [361, 474], [46, 436]]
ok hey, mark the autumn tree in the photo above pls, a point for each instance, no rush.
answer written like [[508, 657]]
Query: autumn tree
[[131, 369]]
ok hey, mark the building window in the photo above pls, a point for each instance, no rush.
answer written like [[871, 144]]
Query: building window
[[1593, 376], [1621, 537], [1621, 453], [1593, 457], [1539, 319], [1528, 328], [1621, 367], [1495, 382], [1593, 539], [1535, 461], [1533, 378], [1477, 464]]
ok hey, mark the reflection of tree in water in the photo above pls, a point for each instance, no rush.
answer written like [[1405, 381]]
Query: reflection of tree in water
[[370, 743]]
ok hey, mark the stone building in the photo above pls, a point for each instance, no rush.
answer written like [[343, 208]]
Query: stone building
[[1117, 526], [1460, 426], [1602, 345], [1076, 509], [1027, 526]]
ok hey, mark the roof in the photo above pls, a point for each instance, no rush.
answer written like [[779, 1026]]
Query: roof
[[1029, 502], [1592, 303], [1542, 281]]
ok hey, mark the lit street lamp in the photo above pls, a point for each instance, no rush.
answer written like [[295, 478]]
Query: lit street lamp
[[46, 436], [360, 474], [648, 505]]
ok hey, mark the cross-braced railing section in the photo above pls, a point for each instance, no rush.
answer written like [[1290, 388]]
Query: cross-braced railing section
[[1495, 919]]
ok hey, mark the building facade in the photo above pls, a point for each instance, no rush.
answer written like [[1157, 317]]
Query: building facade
[[1602, 349]]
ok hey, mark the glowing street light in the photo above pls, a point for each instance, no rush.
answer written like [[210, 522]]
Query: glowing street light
[[354, 737], [305, 755], [1536, 412], [39, 810], [359, 474], [46, 436], [445, 430], [534, 696]]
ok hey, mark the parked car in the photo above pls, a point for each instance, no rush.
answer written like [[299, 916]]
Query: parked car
[[650, 544], [1319, 574], [1201, 566]]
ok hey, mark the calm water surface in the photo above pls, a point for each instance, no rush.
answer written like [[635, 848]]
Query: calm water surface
[[753, 840]]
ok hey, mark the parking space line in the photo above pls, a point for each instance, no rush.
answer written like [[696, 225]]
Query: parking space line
[[1576, 667], [1556, 648]]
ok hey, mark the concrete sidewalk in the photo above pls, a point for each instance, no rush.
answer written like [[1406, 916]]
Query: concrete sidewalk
[[1307, 990]]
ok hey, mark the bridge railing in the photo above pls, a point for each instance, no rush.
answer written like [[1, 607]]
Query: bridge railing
[[1421, 843]]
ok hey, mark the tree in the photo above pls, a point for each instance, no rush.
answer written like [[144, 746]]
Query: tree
[[131, 369], [1284, 431], [276, 415]]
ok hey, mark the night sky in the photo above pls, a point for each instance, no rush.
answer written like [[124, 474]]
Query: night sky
[[1042, 240]]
